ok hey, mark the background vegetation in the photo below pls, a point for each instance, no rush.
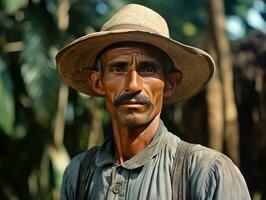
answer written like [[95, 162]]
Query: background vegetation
[[43, 123]]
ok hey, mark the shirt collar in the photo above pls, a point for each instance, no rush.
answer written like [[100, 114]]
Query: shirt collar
[[105, 155]]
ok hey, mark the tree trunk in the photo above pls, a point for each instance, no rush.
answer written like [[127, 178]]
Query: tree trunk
[[214, 101], [224, 65]]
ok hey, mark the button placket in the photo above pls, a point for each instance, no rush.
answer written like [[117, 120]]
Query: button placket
[[117, 188]]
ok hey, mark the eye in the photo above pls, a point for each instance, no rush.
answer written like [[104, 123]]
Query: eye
[[118, 68], [147, 69]]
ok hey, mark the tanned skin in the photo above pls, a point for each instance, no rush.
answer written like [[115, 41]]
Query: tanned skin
[[134, 84]]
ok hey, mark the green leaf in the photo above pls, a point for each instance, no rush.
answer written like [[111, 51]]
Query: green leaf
[[39, 75], [7, 115], [11, 6]]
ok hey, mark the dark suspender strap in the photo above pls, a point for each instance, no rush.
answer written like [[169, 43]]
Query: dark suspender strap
[[180, 171], [85, 171]]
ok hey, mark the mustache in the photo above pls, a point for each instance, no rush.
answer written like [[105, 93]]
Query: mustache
[[132, 96]]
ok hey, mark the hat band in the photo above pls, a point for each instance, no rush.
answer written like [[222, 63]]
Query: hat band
[[133, 27]]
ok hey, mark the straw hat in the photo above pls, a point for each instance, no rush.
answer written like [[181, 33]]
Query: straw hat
[[135, 23]]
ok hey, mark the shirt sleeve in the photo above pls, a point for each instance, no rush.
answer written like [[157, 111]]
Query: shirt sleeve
[[215, 177], [70, 178]]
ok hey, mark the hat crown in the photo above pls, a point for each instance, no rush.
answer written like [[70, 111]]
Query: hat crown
[[137, 17]]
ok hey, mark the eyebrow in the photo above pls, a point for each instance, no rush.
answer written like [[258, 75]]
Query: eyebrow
[[147, 61], [117, 62], [151, 62]]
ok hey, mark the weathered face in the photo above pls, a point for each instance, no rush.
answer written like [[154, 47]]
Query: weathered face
[[133, 82]]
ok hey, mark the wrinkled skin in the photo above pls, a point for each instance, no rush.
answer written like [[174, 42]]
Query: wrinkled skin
[[134, 84]]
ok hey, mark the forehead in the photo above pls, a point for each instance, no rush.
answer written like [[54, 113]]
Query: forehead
[[133, 49]]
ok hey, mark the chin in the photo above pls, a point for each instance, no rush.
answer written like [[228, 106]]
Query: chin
[[135, 119], [133, 123]]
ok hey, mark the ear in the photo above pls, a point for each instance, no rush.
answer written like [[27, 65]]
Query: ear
[[96, 84], [172, 81]]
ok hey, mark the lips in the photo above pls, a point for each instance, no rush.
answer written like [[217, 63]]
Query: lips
[[132, 102]]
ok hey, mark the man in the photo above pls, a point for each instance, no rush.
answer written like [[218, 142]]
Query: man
[[136, 67]]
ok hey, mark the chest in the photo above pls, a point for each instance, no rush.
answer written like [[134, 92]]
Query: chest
[[150, 181]]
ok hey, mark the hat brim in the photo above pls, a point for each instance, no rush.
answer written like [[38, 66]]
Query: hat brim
[[74, 60]]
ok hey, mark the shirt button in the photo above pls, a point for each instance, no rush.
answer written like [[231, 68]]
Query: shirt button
[[116, 188]]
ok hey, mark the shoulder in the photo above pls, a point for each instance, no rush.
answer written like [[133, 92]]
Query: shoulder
[[76, 161], [206, 160], [71, 175], [214, 175], [72, 170], [74, 166], [203, 157]]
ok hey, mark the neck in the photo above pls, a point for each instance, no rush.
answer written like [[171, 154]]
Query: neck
[[130, 140]]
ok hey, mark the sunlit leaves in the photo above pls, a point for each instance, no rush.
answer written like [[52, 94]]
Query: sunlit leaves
[[6, 100]]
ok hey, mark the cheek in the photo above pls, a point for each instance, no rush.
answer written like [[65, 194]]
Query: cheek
[[112, 87], [155, 89], [111, 92]]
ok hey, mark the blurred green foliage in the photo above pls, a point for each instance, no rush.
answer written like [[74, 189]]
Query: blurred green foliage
[[6, 99], [32, 161]]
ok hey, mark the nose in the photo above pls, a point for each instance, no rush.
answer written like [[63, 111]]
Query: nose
[[133, 82]]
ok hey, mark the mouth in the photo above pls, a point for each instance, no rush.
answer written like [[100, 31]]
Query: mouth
[[133, 102]]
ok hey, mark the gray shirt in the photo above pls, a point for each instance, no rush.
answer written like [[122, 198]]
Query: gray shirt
[[147, 175]]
